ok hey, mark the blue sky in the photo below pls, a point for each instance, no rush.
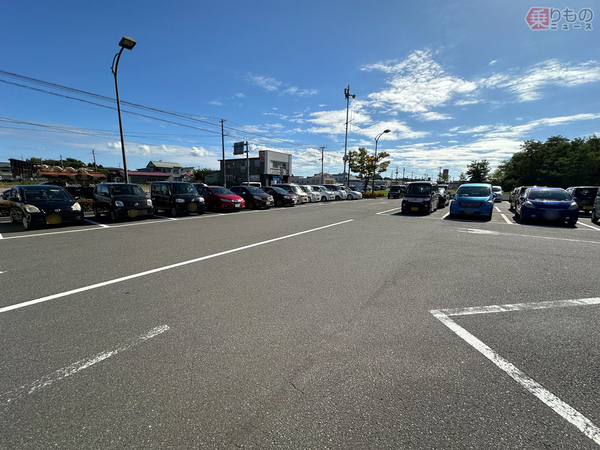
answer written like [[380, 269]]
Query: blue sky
[[454, 82]]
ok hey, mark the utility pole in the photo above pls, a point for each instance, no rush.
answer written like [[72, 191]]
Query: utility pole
[[94, 156], [223, 147], [347, 95], [247, 164], [322, 158]]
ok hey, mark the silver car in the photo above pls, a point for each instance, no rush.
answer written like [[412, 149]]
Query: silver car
[[352, 194], [313, 196], [338, 192], [325, 194]]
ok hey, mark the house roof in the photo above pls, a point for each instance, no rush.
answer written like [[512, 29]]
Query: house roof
[[164, 164]]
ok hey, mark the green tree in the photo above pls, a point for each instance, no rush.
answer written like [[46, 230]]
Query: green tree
[[200, 174], [367, 166], [478, 171]]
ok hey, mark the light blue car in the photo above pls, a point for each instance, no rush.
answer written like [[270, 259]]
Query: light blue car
[[473, 199]]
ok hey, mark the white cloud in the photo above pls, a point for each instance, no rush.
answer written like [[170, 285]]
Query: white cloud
[[431, 116], [528, 86], [270, 84], [417, 84]]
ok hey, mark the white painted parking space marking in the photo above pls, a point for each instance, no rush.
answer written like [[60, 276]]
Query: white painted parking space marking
[[506, 219], [96, 223], [165, 217], [1, 237], [388, 211], [76, 367], [567, 412], [579, 222], [497, 209], [446, 215], [495, 233], [161, 269]]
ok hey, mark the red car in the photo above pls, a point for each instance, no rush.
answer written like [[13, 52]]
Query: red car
[[218, 198]]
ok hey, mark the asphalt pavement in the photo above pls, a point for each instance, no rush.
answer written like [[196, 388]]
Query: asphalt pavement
[[342, 325]]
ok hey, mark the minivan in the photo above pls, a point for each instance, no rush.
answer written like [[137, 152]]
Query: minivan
[[421, 196], [176, 197]]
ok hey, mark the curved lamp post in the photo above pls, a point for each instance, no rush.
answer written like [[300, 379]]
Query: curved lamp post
[[125, 43], [375, 161]]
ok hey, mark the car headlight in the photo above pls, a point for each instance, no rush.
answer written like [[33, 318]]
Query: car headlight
[[179, 200], [490, 202], [201, 199], [32, 209], [286, 196], [573, 206], [226, 200], [76, 207], [119, 203], [528, 204], [149, 202]]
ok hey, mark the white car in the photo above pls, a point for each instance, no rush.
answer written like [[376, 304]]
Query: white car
[[336, 189], [325, 194], [352, 194], [499, 194], [313, 196]]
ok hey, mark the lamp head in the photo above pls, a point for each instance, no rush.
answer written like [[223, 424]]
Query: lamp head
[[127, 42]]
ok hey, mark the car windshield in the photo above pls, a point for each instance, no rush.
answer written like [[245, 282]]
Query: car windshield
[[496, 188], [296, 190], [127, 190], [279, 190], [221, 191], [306, 189], [184, 188], [255, 190], [474, 191], [45, 194], [585, 193], [548, 195], [418, 189]]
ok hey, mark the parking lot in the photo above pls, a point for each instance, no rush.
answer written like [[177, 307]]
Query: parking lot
[[327, 325]]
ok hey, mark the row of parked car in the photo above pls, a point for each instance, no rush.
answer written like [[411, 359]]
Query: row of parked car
[[528, 202], [36, 205]]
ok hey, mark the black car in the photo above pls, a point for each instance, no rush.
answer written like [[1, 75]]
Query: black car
[[444, 197], [421, 196], [176, 197], [396, 191], [584, 196], [121, 200], [281, 196], [255, 197], [36, 205]]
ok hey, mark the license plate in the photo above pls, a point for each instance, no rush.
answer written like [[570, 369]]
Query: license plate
[[53, 219], [268, 203], [587, 207], [237, 205], [414, 208]]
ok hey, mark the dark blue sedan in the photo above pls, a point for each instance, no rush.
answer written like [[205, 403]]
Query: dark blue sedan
[[552, 204]]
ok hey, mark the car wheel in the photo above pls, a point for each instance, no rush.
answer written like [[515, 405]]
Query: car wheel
[[27, 222], [96, 213], [594, 216], [279, 203], [173, 212], [337, 197], [113, 215], [323, 199], [13, 218], [249, 205]]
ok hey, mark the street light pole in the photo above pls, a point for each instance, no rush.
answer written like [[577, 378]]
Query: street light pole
[[347, 95], [125, 43], [375, 162]]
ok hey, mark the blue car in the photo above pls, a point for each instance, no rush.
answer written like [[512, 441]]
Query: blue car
[[473, 199], [553, 204]]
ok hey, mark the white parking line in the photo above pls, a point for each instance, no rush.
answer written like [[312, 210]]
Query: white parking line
[[498, 209], [496, 233], [389, 210], [579, 222], [446, 215], [161, 269], [586, 426], [506, 219], [96, 223], [76, 367]]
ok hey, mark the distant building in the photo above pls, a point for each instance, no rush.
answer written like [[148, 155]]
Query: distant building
[[175, 171], [270, 167], [5, 170]]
